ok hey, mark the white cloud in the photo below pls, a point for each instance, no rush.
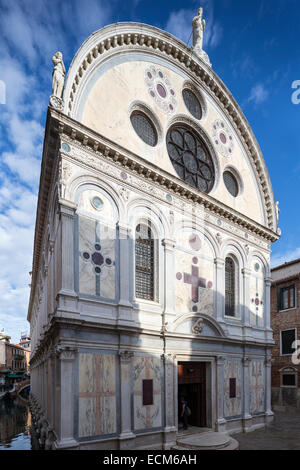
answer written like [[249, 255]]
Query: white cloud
[[258, 94], [284, 257], [30, 33]]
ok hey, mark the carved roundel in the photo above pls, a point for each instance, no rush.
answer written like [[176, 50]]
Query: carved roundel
[[223, 138], [160, 89]]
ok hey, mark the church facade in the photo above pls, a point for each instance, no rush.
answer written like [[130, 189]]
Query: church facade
[[151, 278]]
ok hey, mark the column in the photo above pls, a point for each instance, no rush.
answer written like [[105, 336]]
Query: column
[[246, 300], [246, 392], [125, 276], [269, 412], [66, 356], [221, 421], [125, 398], [220, 289], [67, 214], [169, 277], [170, 429]]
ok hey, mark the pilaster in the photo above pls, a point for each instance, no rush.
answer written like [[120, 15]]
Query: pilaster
[[246, 300], [169, 399], [246, 387], [220, 289], [126, 434], [66, 356], [169, 277], [125, 276], [268, 365], [67, 216], [221, 421]]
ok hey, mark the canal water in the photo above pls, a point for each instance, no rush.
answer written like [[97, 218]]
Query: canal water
[[15, 425]]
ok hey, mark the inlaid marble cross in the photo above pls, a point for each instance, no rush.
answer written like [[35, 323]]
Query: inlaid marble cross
[[195, 281]]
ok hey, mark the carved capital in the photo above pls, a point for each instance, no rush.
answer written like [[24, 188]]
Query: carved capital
[[246, 361], [124, 230], [246, 272], [168, 358], [125, 356], [67, 208], [169, 244], [220, 360], [65, 353], [268, 281], [268, 361], [219, 262]]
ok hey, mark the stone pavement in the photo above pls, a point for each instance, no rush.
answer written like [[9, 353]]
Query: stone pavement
[[282, 434]]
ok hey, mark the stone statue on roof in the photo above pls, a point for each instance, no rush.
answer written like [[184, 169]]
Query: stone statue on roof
[[58, 76], [198, 30], [198, 34]]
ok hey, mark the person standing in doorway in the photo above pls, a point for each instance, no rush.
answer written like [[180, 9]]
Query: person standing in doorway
[[184, 414]]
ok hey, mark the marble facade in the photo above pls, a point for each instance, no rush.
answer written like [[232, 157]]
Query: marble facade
[[104, 363]]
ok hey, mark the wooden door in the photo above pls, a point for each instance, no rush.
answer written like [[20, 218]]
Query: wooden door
[[192, 385]]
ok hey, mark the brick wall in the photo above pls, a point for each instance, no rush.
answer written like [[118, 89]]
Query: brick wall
[[284, 320]]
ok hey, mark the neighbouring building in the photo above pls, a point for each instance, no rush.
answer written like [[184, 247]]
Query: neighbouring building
[[14, 358], [4, 339], [285, 322], [151, 277]]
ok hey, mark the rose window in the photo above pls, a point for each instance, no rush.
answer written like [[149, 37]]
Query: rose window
[[190, 158]]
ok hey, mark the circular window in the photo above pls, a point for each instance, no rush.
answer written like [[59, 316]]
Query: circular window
[[190, 158], [231, 183], [144, 128], [192, 103], [97, 203]]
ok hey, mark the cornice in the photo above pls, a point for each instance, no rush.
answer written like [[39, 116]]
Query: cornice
[[48, 169], [141, 38], [101, 146]]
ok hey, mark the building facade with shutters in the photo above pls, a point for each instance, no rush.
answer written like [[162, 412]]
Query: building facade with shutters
[[285, 322], [151, 277]]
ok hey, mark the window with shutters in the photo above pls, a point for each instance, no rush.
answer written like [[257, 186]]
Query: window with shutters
[[144, 263], [286, 297], [230, 287], [287, 339]]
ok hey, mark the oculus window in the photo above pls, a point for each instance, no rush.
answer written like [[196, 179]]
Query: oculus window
[[192, 103], [144, 128], [231, 183], [190, 158]]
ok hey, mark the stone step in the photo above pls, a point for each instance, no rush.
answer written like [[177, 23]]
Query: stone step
[[207, 441]]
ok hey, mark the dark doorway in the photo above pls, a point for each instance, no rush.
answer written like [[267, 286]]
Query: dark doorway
[[192, 386]]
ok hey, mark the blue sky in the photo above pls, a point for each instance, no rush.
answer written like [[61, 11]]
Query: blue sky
[[254, 47]]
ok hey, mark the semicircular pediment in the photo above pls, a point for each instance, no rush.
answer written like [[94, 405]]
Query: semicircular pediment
[[128, 50], [198, 325]]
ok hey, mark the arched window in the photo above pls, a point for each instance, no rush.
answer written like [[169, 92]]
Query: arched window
[[144, 262], [229, 287]]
